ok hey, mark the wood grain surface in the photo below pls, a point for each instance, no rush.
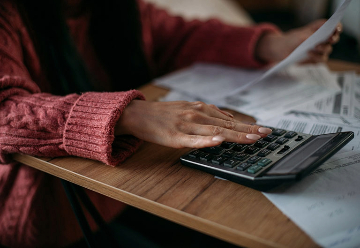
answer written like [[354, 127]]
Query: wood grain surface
[[154, 180]]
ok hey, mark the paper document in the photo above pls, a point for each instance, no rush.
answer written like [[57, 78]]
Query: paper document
[[276, 95], [283, 92], [345, 103], [325, 118], [326, 204], [300, 53], [208, 81], [305, 125]]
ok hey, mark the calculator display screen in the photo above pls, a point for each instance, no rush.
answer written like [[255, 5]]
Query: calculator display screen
[[301, 158]]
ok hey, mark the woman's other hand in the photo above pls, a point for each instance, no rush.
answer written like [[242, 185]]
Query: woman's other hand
[[185, 124], [274, 47]]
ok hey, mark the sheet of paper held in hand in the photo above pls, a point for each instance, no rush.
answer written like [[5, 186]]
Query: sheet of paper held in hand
[[300, 53]]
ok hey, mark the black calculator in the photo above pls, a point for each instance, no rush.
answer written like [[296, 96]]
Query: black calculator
[[281, 157]]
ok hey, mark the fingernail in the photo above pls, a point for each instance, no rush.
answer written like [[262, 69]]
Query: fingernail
[[218, 138], [253, 136], [264, 130]]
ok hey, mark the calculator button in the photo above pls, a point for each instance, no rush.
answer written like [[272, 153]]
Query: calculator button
[[206, 157], [227, 145], [253, 160], [282, 140], [218, 160], [290, 134], [264, 152], [231, 163], [261, 143], [270, 138], [264, 162], [239, 147], [251, 150], [213, 150], [299, 138], [273, 146], [228, 154], [284, 149], [195, 154], [278, 132], [241, 156], [243, 166], [254, 168]]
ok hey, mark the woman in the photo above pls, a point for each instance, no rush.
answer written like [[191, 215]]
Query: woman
[[67, 70]]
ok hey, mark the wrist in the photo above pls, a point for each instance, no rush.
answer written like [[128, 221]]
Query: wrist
[[265, 50], [125, 122]]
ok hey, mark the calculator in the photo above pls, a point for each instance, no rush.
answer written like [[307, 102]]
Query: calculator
[[281, 157]]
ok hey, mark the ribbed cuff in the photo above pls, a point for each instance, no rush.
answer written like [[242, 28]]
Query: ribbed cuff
[[89, 130]]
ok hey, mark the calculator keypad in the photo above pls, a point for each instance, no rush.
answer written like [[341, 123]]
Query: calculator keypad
[[248, 160]]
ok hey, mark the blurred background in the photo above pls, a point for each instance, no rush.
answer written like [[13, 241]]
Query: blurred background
[[284, 13]]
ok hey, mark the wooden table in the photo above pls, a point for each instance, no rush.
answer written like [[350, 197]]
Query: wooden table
[[153, 180]]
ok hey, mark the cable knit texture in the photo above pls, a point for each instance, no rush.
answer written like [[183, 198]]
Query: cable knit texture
[[34, 211]]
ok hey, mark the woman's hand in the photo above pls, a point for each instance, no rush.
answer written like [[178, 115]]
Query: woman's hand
[[274, 47], [185, 124]]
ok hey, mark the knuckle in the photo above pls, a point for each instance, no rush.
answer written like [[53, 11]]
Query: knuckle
[[172, 133], [189, 115], [213, 106], [199, 105], [216, 130], [252, 128], [230, 125], [248, 129], [194, 140], [240, 136], [181, 125]]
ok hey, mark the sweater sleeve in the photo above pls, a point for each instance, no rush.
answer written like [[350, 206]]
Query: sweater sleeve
[[41, 124], [173, 43]]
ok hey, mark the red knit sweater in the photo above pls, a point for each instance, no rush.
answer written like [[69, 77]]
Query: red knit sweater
[[34, 211]]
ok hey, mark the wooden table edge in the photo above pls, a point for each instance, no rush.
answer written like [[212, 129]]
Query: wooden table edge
[[197, 223]]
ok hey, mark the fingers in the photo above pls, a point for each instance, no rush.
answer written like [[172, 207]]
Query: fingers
[[207, 109], [200, 141], [221, 111], [185, 124], [205, 125], [213, 135], [322, 51], [245, 134], [216, 126], [335, 37], [320, 54]]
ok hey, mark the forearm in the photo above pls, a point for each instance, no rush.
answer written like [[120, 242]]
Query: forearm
[[172, 43]]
